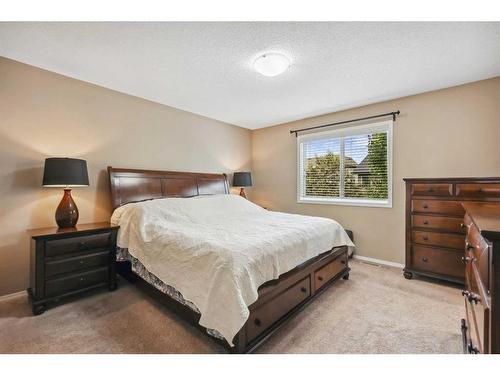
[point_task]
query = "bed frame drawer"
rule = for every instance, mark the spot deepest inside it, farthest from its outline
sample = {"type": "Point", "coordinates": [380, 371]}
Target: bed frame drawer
{"type": "Point", "coordinates": [329, 271]}
{"type": "Point", "coordinates": [266, 315]}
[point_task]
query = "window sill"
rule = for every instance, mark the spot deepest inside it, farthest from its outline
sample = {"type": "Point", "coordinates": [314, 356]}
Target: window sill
{"type": "Point", "coordinates": [347, 202]}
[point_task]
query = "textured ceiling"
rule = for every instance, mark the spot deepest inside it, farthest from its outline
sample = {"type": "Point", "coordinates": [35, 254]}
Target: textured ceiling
{"type": "Point", "coordinates": [206, 68]}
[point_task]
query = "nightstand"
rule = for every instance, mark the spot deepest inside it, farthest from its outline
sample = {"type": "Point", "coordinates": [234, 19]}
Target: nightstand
{"type": "Point", "coordinates": [68, 262]}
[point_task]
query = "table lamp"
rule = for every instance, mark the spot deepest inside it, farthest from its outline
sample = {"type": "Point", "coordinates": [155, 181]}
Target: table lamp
{"type": "Point", "coordinates": [242, 180]}
{"type": "Point", "coordinates": [65, 173]}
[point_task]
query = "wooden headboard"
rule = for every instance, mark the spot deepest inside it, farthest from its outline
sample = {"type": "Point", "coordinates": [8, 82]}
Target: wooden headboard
{"type": "Point", "coordinates": [135, 185]}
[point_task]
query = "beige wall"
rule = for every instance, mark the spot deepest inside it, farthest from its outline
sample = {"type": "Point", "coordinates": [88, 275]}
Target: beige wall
{"type": "Point", "coordinates": [44, 114]}
{"type": "Point", "coordinates": [447, 133]}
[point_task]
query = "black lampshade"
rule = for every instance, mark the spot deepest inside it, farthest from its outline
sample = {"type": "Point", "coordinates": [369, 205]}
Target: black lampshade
{"type": "Point", "coordinates": [242, 179]}
{"type": "Point", "coordinates": [61, 172]}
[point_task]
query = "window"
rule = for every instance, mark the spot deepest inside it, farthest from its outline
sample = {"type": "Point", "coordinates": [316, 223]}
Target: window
{"type": "Point", "coordinates": [350, 165]}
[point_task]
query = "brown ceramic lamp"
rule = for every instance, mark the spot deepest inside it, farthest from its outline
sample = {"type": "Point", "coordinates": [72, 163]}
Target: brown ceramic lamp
{"type": "Point", "coordinates": [242, 180]}
{"type": "Point", "coordinates": [66, 173]}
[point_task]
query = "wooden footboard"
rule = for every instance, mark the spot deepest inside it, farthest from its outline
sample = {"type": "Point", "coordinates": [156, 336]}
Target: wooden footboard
{"type": "Point", "coordinates": [280, 300]}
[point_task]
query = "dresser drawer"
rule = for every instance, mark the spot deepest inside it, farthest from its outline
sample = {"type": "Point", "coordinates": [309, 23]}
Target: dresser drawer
{"type": "Point", "coordinates": [478, 253]}
{"type": "Point", "coordinates": [473, 346]}
{"type": "Point", "coordinates": [454, 241]}
{"type": "Point", "coordinates": [438, 261]}
{"type": "Point", "coordinates": [329, 271]}
{"type": "Point", "coordinates": [475, 284]}
{"type": "Point", "coordinates": [448, 224]}
{"type": "Point", "coordinates": [76, 281]}
{"type": "Point", "coordinates": [74, 264]}
{"type": "Point", "coordinates": [436, 190]}
{"type": "Point", "coordinates": [266, 315]}
{"type": "Point", "coordinates": [453, 208]}
{"type": "Point", "coordinates": [477, 314]}
{"type": "Point", "coordinates": [474, 239]}
{"type": "Point", "coordinates": [478, 190]}
{"type": "Point", "coordinates": [75, 244]}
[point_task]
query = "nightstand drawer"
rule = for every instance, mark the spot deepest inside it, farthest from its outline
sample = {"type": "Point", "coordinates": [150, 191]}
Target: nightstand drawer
{"type": "Point", "coordinates": [75, 244]}
{"type": "Point", "coordinates": [76, 281]}
{"type": "Point", "coordinates": [58, 267]}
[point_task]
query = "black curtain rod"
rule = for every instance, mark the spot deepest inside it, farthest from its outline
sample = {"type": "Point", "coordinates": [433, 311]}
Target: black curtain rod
{"type": "Point", "coordinates": [393, 114]}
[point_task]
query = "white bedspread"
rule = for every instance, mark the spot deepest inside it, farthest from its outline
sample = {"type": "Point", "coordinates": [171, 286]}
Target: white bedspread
{"type": "Point", "coordinates": [217, 250]}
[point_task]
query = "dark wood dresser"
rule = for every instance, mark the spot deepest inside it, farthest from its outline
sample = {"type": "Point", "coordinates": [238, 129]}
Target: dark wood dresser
{"type": "Point", "coordinates": [481, 326]}
{"type": "Point", "coordinates": [68, 262]}
{"type": "Point", "coordinates": [435, 235]}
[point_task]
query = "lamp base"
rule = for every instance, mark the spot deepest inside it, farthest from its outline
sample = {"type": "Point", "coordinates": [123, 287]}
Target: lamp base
{"type": "Point", "coordinates": [242, 193]}
{"type": "Point", "coordinates": [67, 212]}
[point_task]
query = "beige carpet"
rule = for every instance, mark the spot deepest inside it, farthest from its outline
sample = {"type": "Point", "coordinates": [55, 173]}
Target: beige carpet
{"type": "Point", "coordinates": [375, 311]}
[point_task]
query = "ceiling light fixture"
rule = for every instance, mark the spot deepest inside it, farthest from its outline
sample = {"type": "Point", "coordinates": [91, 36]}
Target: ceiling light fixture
{"type": "Point", "coordinates": [271, 64]}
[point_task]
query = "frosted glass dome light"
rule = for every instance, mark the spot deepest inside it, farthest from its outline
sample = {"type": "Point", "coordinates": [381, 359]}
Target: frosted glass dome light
{"type": "Point", "coordinates": [271, 64]}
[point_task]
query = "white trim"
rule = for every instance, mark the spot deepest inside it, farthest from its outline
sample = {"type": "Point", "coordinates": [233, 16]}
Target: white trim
{"type": "Point", "coordinates": [343, 131]}
{"type": "Point", "coordinates": [12, 295]}
{"type": "Point", "coordinates": [347, 201]}
{"type": "Point", "coordinates": [379, 261]}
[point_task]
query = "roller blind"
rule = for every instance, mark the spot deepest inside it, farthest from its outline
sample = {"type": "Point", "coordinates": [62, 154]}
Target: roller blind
{"type": "Point", "coordinates": [350, 165]}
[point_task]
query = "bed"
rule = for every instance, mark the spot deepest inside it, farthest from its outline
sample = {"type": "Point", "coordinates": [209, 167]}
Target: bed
{"type": "Point", "coordinates": [233, 269]}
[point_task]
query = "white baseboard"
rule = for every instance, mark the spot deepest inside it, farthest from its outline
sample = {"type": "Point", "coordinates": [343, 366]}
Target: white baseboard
{"type": "Point", "coordinates": [379, 261]}
{"type": "Point", "coordinates": [17, 294]}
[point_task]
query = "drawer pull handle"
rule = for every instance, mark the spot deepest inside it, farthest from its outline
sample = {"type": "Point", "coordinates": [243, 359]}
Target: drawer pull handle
{"type": "Point", "coordinates": [81, 279]}
{"type": "Point", "coordinates": [470, 295]}
{"type": "Point", "coordinates": [466, 259]}
{"type": "Point", "coordinates": [81, 262]}
{"type": "Point", "coordinates": [425, 259]}
{"type": "Point", "coordinates": [342, 261]}
{"type": "Point", "coordinates": [431, 190]}
{"type": "Point", "coordinates": [425, 205]}
{"type": "Point", "coordinates": [257, 322]}
{"type": "Point", "coordinates": [320, 278]}
{"type": "Point", "coordinates": [426, 222]}
{"type": "Point", "coordinates": [480, 190]}
{"type": "Point", "coordinates": [462, 225]}
{"type": "Point", "coordinates": [473, 297]}
{"type": "Point", "coordinates": [303, 289]}
{"type": "Point", "coordinates": [425, 238]}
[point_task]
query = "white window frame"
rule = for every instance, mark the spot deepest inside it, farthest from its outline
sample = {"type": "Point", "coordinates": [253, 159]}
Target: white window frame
{"type": "Point", "coordinates": [344, 131]}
